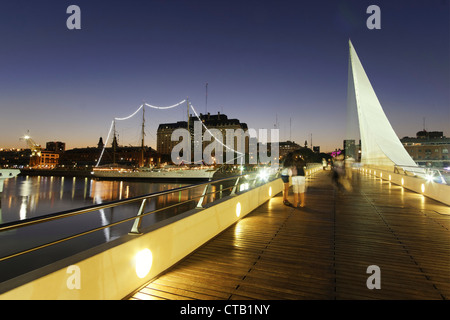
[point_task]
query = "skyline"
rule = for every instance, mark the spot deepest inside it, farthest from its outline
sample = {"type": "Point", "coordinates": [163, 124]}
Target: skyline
{"type": "Point", "coordinates": [264, 62]}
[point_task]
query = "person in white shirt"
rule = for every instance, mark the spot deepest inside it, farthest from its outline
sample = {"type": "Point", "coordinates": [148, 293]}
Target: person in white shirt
{"type": "Point", "coordinates": [299, 181]}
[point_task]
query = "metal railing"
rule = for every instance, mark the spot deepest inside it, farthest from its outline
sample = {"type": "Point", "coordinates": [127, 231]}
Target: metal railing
{"type": "Point", "coordinates": [250, 180]}
{"type": "Point", "coordinates": [435, 174]}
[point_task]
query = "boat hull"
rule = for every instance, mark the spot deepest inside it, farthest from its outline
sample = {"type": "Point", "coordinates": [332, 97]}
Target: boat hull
{"type": "Point", "coordinates": [155, 175]}
{"type": "Point", "coordinates": [6, 174]}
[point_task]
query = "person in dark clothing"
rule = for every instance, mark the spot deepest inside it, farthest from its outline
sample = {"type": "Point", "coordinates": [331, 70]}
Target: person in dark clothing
{"type": "Point", "coordinates": [299, 181]}
{"type": "Point", "coordinates": [286, 172]}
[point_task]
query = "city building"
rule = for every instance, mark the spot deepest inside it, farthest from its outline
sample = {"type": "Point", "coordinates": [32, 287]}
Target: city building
{"type": "Point", "coordinates": [115, 154]}
{"type": "Point", "coordinates": [47, 159]}
{"type": "Point", "coordinates": [164, 144]}
{"type": "Point", "coordinates": [287, 147]}
{"type": "Point", "coordinates": [429, 148]}
{"type": "Point", "coordinates": [55, 146]}
{"type": "Point", "coordinates": [15, 158]}
{"type": "Point", "coordinates": [33, 157]}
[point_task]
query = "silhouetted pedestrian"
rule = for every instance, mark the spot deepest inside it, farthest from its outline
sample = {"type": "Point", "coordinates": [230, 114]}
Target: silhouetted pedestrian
{"type": "Point", "coordinates": [299, 181]}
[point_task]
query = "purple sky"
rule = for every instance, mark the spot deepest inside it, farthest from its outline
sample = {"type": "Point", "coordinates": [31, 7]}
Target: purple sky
{"type": "Point", "coordinates": [264, 61]}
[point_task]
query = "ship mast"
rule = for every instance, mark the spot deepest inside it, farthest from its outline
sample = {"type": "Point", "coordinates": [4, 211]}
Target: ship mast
{"type": "Point", "coordinates": [188, 126]}
{"type": "Point", "coordinates": [187, 110]}
{"type": "Point", "coordinates": [114, 143]}
{"type": "Point", "coordinates": [141, 162]}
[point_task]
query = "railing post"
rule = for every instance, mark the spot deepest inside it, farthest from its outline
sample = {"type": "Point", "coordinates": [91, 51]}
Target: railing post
{"type": "Point", "coordinates": [442, 177]}
{"type": "Point", "coordinates": [254, 181]}
{"type": "Point", "coordinates": [137, 222]}
{"type": "Point", "coordinates": [199, 204]}
{"type": "Point", "coordinates": [233, 192]}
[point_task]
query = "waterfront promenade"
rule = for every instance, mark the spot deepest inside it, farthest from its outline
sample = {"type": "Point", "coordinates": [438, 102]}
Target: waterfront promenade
{"type": "Point", "coordinates": [322, 251]}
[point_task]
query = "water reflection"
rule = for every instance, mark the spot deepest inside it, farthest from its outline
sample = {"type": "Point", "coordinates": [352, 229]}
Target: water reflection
{"type": "Point", "coordinates": [27, 197]}
{"type": "Point", "coordinates": [103, 219]}
{"type": "Point", "coordinates": [25, 193]}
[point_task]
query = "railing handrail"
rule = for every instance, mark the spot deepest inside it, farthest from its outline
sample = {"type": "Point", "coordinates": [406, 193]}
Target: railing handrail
{"type": "Point", "coordinates": [418, 167]}
{"type": "Point", "coordinates": [114, 203]}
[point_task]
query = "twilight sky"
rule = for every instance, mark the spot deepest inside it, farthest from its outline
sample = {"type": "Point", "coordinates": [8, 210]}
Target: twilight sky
{"type": "Point", "coordinates": [265, 62]}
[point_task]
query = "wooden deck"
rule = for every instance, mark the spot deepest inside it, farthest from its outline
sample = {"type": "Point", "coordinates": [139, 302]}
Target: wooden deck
{"type": "Point", "coordinates": [322, 251]}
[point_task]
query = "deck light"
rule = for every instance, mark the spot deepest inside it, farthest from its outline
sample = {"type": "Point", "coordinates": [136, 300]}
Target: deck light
{"type": "Point", "coordinates": [144, 260]}
{"type": "Point", "coordinates": [238, 209]}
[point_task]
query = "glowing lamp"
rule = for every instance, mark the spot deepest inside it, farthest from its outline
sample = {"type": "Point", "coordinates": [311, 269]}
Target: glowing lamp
{"type": "Point", "coordinates": [144, 260]}
{"type": "Point", "coordinates": [238, 209]}
{"type": "Point", "coordinates": [263, 175]}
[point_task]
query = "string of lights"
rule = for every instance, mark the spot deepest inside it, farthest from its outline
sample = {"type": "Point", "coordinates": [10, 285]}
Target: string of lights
{"type": "Point", "coordinates": [218, 140]}
{"type": "Point", "coordinates": [163, 108]}
{"type": "Point", "coordinates": [104, 146]}
{"type": "Point", "coordinates": [131, 115]}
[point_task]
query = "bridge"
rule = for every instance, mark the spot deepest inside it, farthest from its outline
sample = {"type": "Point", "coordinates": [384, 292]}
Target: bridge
{"type": "Point", "coordinates": [271, 251]}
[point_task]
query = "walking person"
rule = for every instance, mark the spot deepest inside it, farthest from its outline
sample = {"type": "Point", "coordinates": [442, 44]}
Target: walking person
{"type": "Point", "coordinates": [299, 181]}
{"type": "Point", "coordinates": [286, 173]}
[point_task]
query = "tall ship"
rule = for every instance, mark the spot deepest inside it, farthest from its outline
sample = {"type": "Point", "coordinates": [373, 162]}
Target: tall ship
{"type": "Point", "coordinates": [182, 172]}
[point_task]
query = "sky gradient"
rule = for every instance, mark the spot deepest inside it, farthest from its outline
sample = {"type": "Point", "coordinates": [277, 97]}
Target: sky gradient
{"type": "Point", "coordinates": [265, 62]}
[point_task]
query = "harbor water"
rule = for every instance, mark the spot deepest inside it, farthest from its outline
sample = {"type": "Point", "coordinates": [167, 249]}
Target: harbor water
{"type": "Point", "coordinates": [27, 197]}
